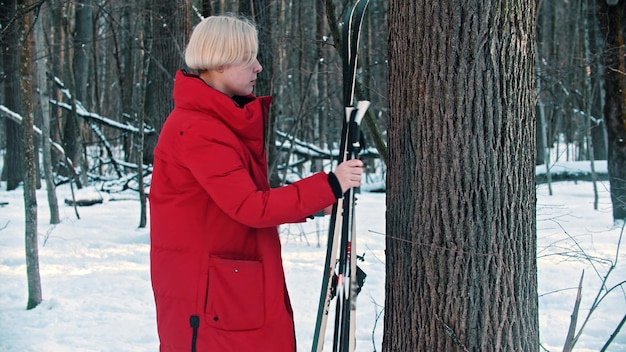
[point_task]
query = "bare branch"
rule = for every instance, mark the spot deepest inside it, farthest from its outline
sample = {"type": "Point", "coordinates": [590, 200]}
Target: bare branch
{"type": "Point", "coordinates": [33, 7]}
{"type": "Point", "coordinates": [569, 340]}
{"type": "Point", "coordinates": [614, 334]}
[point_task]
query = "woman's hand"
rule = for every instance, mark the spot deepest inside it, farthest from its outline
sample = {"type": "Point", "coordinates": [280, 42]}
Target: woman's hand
{"type": "Point", "coordinates": [349, 174]}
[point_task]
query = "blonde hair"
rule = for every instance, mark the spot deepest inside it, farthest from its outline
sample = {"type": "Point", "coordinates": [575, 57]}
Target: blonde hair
{"type": "Point", "coordinates": [219, 41]}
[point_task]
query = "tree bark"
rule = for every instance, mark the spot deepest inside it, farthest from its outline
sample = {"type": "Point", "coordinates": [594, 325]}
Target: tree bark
{"type": "Point", "coordinates": [73, 126]}
{"type": "Point", "coordinates": [27, 53]}
{"type": "Point", "coordinates": [613, 25]}
{"type": "Point", "coordinates": [129, 72]}
{"type": "Point", "coordinates": [461, 232]}
{"type": "Point", "coordinates": [83, 37]}
{"type": "Point", "coordinates": [261, 12]}
{"type": "Point", "coordinates": [12, 170]}
{"type": "Point", "coordinates": [57, 53]}
{"type": "Point", "coordinates": [84, 76]}
{"type": "Point", "coordinates": [320, 90]}
{"type": "Point", "coordinates": [44, 106]}
{"type": "Point", "coordinates": [169, 32]}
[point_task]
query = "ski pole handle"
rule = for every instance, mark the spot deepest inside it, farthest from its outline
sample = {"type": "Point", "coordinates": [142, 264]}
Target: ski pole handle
{"type": "Point", "coordinates": [354, 126]}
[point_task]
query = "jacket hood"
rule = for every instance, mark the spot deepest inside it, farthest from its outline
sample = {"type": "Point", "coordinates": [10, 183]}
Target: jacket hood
{"type": "Point", "coordinates": [246, 116]}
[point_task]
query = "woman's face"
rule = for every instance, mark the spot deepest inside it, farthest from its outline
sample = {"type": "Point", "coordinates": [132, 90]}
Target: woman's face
{"type": "Point", "coordinates": [238, 79]}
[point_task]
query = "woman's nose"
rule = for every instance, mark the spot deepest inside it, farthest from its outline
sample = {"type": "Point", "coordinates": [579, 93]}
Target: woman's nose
{"type": "Point", "coordinates": [257, 66]}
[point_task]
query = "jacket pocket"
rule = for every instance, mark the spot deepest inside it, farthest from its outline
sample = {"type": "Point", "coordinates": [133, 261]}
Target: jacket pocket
{"type": "Point", "coordinates": [235, 294]}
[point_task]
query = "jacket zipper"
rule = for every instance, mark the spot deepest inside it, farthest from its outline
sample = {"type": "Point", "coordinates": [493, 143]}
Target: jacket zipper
{"type": "Point", "coordinates": [194, 321]}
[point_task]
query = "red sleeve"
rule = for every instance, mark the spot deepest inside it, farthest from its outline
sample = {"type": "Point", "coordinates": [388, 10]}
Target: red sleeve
{"type": "Point", "coordinates": [218, 167]}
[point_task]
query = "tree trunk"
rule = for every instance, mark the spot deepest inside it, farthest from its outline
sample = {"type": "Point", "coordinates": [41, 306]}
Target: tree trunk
{"type": "Point", "coordinates": [588, 99]}
{"type": "Point", "coordinates": [44, 106]}
{"type": "Point", "coordinates": [84, 77]}
{"type": "Point", "coordinates": [12, 170]}
{"type": "Point", "coordinates": [461, 245]}
{"type": "Point", "coordinates": [139, 97]}
{"type": "Point", "coordinates": [83, 38]}
{"type": "Point", "coordinates": [143, 197]}
{"type": "Point", "coordinates": [613, 25]}
{"type": "Point", "coordinates": [54, 17]}
{"type": "Point", "coordinates": [126, 61]}
{"type": "Point", "coordinates": [321, 83]}
{"type": "Point", "coordinates": [206, 8]}
{"type": "Point", "coordinates": [598, 126]}
{"type": "Point", "coordinates": [261, 12]}
{"type": "Point", "coordinates": [169, 32]}
{"type": "Point", "coordinates": [73, 125]}
{"type": "Point", "coordinates": [27, 53]}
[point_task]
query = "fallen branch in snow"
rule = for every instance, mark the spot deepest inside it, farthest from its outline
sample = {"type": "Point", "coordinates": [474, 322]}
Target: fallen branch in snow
{"type": "Point", "coordinates": [93, 117]}
{"type": "Point", "coordinates": [86, 197]}
{"type": "Point", "coordinates": [311, 151]}
{"type": "Point", "coordinates": [571, 171]}
{"type": "Point", "coordinates": [13, 116]}
{"type": "Point", "coordinates": [83, 202]}
{"type": "Point", "coordinates": [17, 118]}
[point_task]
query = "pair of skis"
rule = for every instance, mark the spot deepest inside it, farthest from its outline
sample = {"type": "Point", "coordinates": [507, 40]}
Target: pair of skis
{"type": "Point", "coordinates": [341, 277]}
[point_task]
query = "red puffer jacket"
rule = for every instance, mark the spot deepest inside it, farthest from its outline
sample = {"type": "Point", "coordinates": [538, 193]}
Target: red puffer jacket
{"type": "Point", "coordinates": [215, 256]}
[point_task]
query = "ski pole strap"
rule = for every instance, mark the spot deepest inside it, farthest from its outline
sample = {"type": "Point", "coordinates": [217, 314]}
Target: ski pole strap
{"type": "Point", "coordinates": [335, 185]}
{"type": "Point", "coordinates": [354, 136]}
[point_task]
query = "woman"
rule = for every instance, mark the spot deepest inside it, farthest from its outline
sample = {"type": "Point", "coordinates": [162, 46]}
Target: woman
{"type": "Point", "coordinates": [215, 256]}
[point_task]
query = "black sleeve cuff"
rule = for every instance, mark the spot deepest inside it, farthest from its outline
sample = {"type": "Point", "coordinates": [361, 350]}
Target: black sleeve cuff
{"type": "Point", "coordinates": [334, 184]}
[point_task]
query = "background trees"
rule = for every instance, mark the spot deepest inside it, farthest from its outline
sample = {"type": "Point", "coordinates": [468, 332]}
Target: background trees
{"type": "Point", "coordinates": [104, 71]}
{"type": "Point", "coordinates": [117, 58]}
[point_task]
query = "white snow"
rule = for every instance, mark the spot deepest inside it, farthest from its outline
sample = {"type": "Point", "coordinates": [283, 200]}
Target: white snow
{"type": "Point", "coordinates": [97, 293]}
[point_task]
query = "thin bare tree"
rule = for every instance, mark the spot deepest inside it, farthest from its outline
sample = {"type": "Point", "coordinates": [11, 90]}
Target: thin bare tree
{"type": "Point", "coordinates": [44, 110]}
{"type": "Point", "coordinates": [27, 73]}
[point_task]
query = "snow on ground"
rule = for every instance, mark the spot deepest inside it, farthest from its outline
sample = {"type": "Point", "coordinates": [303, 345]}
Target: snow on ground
{"type": "Point", "coordinates": [97, 294]}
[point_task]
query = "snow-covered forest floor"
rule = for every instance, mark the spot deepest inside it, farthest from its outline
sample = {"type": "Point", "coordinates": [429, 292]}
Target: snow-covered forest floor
{"type": "Point", "coordinates": [97, 294]}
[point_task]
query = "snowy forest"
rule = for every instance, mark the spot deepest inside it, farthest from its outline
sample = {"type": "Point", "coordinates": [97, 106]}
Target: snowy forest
{"type": "Point", "coordinates": [85, 87]}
